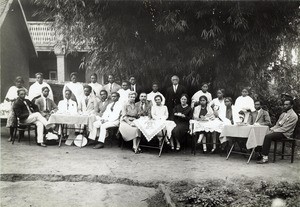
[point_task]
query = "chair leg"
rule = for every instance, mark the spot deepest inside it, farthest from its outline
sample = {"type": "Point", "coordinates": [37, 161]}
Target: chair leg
{"type": "Point", "coordinates": [230, 151]}
{"type": "Point", "coordinates": [275, 151]}
{"type": "Point", "coordinates": [282, 150]}
{"type": "Point", "coordinates": [29, 133]}
{"type": "Point", "coordinates": [14, 136]}
{"type": "Point", "coordinates": [293, 151]}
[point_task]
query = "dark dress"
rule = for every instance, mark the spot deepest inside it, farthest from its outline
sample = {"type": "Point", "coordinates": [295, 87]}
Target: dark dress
{"type": "Point", "coordinates": [182, 124]}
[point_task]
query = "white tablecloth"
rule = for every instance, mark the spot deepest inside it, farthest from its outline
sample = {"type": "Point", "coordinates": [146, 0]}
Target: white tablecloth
{"type": "Point", "coordinates": [255, 134]}
{"type": "Point", "coordinates": [208, 126]}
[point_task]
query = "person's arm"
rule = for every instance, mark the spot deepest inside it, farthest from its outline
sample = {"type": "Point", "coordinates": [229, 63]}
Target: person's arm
{"type": "Point", "coordinates": [210, 113]}
{"type": "Point", "coordinates": [250, 119]}
{"type": "Point", "coordinates": [50, 92]}
{"type": "Point", "coordinates": [19, 110]}
{"type": "Point", "coordinates": [267, 119]}
{"type": "Point", "coordinates": [153, 113]}
{"type": "Point", "coordinates": [196, 113]}
{"type": "Point", "coordinates": [289, 125]}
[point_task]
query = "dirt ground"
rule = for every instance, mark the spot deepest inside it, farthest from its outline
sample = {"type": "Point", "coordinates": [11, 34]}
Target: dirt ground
{"type": "Point", "coordinates": [114, 170]}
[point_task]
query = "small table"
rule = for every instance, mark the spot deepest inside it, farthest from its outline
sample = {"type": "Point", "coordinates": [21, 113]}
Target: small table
{"type": "Point", "coordinates": [150, 128]}
{"type": "Point", "coordinates": [65, 119]}
{"type": "Point", "coordinates": [255, 135]}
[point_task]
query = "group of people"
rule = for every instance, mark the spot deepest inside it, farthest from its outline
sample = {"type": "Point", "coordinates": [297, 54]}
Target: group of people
{"type": "Point", "coordinates": [119, 106]}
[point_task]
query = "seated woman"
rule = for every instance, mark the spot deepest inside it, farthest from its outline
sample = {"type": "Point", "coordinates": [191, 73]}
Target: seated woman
{"type": "Point", "coordinates": [9, 100]}
{"type": "Point", "coordinates": [75, 87]}
{"type": "Point", "coordinates": [229, 115]}
{"type": "Point", "coordinates": [204, 112]}
{"type": "Point", "coordinates": [245, 104]}
{"type": "Point", "coordinates": [127, 128]}
{"type": "Point", "coordinates": [182, 115]}
{"type": "Point", "coordinates": [159, 112]}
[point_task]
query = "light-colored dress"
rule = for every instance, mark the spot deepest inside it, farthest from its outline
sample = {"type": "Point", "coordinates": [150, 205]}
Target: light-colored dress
{"type": "Point", "coordinates": [218, 106]}
{"type": "Point", "coordinates": [159, 112]}
{"type": "Point", "coordinates": [36, 90]}
{"type": "Point", "coordinates": [77, 90]}
{"type": "Point", "coordinates": [123, 95]}
{"type": "Point", "coordinates": [129, 114]}
{"type": "Point", "coordinates": [243, 104]}
{"type": "Point", "coordinates": [12, 94]}
{"type": "Point", "coordinates": [97, 87]}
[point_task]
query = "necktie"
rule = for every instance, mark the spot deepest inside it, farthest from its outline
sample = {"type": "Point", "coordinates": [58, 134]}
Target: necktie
{"type": "Point", "coordinates": [142, 106]}
{"type": "Point", "coordinates": [86, 101]}
{"type": "Point", "coordinates": [112, 106]}
{"type": "Point", "coordinates": [132, 87]}
{"type": "Point", "coordinates": [175, 88]}
{"type": "Point", "coordinates": [46, 99]}
{"type": "Point", "coordinates": [68, 105]}
{"type": "Point", "coordinates": [110, 89]}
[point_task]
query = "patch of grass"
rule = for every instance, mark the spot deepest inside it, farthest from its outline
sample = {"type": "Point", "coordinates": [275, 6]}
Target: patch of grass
{"type": "Point", "coordinates": [236, 193]}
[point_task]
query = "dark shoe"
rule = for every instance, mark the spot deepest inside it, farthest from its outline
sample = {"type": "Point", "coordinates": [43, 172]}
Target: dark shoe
{"type": "Point", "coordinates": [262, 161]}
{"type": "Point", "coordinates": [140, 150]}
{"type": "Point", "coordinates": [136, 151]}
{"type": "Point", "coordinates": [177, 149]}
{"type": "Point", "coordinates": [98, 146]}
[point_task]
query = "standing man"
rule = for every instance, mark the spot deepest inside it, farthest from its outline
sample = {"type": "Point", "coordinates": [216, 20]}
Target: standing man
{"type": "Point", "coordinates": [144, 107]}
{"type": "Point", "coordinates": [155, 92]}
{"type": "Point", "coordinates": [110, 118]}
{"type": "Point", "coordinates": [45, 105]}
{"type": "Point", "coordinates": [173, 94]}
{"type": "Point", "coordinates": [111, 86]}
{"type": "Point", "coordinates": [27, 112]}
{"type": "Point", "coordinates": [97, 87]}
{"type": "Point", "coordinates": [36, 88]}
{"type": "Point", "coordinates": [259, 116]}
{"type": "Point", "coordinates": [283, 129]}
{"type": "Point", "coordinates": [134, 87]}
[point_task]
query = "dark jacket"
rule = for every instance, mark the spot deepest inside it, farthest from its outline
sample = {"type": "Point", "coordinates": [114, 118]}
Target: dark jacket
{"type": "Point", "coordinates": [172, 98]}
{"type": "Point", "coordinates": [21, 110]}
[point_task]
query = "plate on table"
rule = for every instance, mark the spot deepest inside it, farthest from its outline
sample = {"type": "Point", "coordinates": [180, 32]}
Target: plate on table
{"type": "Point", "coordinates": [241, 123]}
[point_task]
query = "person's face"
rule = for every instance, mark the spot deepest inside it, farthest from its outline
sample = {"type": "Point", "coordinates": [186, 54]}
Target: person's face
{"type": "Point", "coordinates": [175, 80]}
{"type": "Point", "coordinates": [125, 86]}
{"type": "Point", "coordinates": [74, 78]}
{"type": "Point", "coordinates": [132, 98]}
{"type": "Point", "coordinates": [257, 105]}
{"type": "Point", "coordinates": [158, 101]}
{"type": "Point", "coordinates": [19, 83]}
{"type": "Point", "coordinates": [204, 88]}
{"type": "Point", "coordinates": [219, 94]}
{"type": "Point", "coordinates": [244, 92]}
{"type": "Point", "coordinates": [39, 79]}
{"type": "Point", "coordinates": [132, 80]}
{"type": "Point", "coordinates": [155, 87]}
{"type": "Point", "coordinates": [114, 97]}
{"type": "Point", "coordinates": [183, 100]}
{"type": "Point", "coordinates": [86, 91]}
{"type": "Point", "coordinates": [45, 93]}
{"type": "Point", "coordinates": [111, 79]}
{"type": "Point", "coordinates": [227, 102]}
{"type": "Point", "coordinates": [22, 94]}
{"type": "Point", "coordinates": [202, 102]}
{"type": "Point", "coordinates": [287, 105]}
{"type": "Point", "coordinates": [68, 95]}
{"type": "Point", "coordinates": [103, 96]}
{"type": "Point", "coordinates": [143, 97]}
{"type": "Point", "coordinates": [93, 79]}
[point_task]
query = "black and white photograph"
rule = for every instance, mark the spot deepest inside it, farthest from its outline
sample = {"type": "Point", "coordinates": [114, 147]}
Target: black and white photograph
{"type": "Point", "coordinates": [150, 103]}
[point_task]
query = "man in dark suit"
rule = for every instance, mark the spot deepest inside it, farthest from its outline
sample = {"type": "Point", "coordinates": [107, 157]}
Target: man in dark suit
{"type": "Point", "coordinates": [46, 106]}
{"type": "Point", "coordinates": [27, 112]}
{"type": "Point", "coordinates": [111, 86]}
{"type": "Point", "coordinates": [283, 129]}
{"type": "Point", "coordinates": [135, 87]}
{"type": "Point", "coordinates": [259, 116]}
{"type": "Point", "coordinates": [144, 106]}
{"type": "Point", "coordinates": [173, 94]}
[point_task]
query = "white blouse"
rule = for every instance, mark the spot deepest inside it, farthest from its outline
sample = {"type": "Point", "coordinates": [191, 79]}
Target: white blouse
{"type": "Point", "coordinates": [159, 112]}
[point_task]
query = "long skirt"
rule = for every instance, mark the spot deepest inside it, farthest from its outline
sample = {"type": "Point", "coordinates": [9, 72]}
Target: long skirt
{"type": "Point", "coordinates": [128, 132]}
{"type": "Point", "coordinates": [180, 131]}
{"type": "Point", "coordinates": [11, 118]}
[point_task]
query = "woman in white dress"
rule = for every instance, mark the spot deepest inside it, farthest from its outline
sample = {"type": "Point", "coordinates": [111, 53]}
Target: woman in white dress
{"type": "Point", "coordinates": [202, 92]}
{"type": "Point", "coordinates": [159, 112]}
{"type": "Point", "coordinates": [127, 128]}
{"type": "Point", "coordinates": [245, 104]}
{"type": "Point", "coordinates": [9, 100]}
{"type": "Point", "coordinates": [205, 114]}
{"type": "Point", "coordinates": [75, 87]}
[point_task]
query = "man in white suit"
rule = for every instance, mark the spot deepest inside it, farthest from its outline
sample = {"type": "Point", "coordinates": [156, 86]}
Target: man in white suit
{"type": "Point", "coordinates": [284, 128]}
{"type": "Point", "coordinates": [110, 118]}
{"type": "Point", "coordinates": [111, 86]}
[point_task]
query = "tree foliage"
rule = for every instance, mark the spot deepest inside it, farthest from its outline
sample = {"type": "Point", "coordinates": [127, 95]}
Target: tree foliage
{"type": "Point", "coordinates": [229, 44]}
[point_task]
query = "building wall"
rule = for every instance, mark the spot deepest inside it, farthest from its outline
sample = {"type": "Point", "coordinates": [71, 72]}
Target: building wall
{"type": "Point", "coordinates": [15, 50]}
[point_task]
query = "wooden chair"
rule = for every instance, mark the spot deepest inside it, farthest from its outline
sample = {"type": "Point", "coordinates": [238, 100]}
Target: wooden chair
{"type": "Point", "coordinates": [21, 128]}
